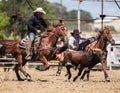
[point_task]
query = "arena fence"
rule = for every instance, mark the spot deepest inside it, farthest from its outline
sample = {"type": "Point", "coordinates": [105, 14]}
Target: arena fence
{"type": "Point", "coordinates": [10, 63]}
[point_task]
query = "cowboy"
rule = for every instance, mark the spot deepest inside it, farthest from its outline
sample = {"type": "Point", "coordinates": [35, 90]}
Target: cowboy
{"type": "Point", "coordinates": [75, 39]}
{"type": "Point", "coordinates": [34, 24]}
{"type": "Point", "coordinates": [76, 42]}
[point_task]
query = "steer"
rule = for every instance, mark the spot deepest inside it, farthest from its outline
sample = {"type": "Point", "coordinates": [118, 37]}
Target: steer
{"type": "Point", "coordinates": [81, 60]}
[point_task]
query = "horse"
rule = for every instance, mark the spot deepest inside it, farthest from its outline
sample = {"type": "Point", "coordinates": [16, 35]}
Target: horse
{"type": "Point", "coordinates": [101, 43]}
{"type": "Point", "coordinates": [7, 67]}
{"type": "Point", "coordinates": [103, 38]}
{"type": "Point", "coordinates": [46, 49]}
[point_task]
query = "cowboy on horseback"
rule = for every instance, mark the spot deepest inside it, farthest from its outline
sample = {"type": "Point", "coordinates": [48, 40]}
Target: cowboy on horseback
{"type": "Point", "coordinates": [76, 42]}
{"type": "Point", "coordinates": [34, 24]}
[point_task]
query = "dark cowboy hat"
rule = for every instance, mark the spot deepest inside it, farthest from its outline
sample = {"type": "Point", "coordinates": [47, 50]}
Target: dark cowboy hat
{"type": "Point", "coordinates": [75, 31]}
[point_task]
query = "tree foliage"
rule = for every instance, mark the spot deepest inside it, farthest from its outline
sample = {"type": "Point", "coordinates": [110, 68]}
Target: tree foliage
{"type": "Point", "coordinates": [23, 12]}
{"type": "Point", "coordinates": [18, 16]}
{"type": "Point", "coordinates": [4, 19]}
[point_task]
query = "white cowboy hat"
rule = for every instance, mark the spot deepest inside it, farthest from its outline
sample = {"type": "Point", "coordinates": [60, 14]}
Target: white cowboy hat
{"type": "Point", "coordinates": [39, 10]}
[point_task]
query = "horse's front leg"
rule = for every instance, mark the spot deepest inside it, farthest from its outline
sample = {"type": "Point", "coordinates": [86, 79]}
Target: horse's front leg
{"type": "Point", "coordinates": [17, 74]}
{"type": "Point", "coordinates": [45, 62]}
{"type": "Point", "coordinates": [104, 65]}
{"type": "Point", "coordinates": [20, 67]}
{"type": "Point", "coordinates": [59, 57]}
{"type": "Point", "coordinates": [59, 69]}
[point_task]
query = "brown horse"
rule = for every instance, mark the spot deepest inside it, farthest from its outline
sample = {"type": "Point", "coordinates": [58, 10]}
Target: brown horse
{"type": "Point", "coordinates": [101, 43]}
{"type": "Point", "coordinates": [45, 51]}
{"type": "Point", "coordinates": [102, 38]}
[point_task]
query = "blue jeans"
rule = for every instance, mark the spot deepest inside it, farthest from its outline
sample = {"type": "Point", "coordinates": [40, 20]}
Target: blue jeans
{"type": "Point", "coordinates": [31, 36]}
{"type": "Point", "coordinates": [83, 45]}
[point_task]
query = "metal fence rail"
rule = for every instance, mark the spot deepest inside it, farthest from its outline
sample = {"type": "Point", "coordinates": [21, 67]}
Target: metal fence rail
{"type": "Point", "coordinates": [10, 62]}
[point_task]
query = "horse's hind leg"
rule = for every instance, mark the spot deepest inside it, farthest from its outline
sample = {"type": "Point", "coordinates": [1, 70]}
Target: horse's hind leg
{"type": "Point", "coordinates": [45, 62]}
{"type": "Point", "coordinates": [24, 72]}
{"type": "Point", "coordinates": [17, 74]}
{"type": "Point", "coordinates": [20, 65]}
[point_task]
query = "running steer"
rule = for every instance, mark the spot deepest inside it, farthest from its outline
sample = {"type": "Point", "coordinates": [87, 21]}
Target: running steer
{"type": "Point", "coordinates": [81, 60]}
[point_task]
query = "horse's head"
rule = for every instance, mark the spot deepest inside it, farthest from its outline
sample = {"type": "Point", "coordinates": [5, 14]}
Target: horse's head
{"type": "Point", "coordinates": [107, 35]}
{"type": "Point", "coordinates": [61, 31]}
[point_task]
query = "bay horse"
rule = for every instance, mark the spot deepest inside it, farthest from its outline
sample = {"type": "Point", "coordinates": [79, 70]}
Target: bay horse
{"type": "Point", "coordinates": [103, 38]}
{"type": "Point", "coordinates": [101, 43]}
{"type": "Point", "coordinates": [45, 51]}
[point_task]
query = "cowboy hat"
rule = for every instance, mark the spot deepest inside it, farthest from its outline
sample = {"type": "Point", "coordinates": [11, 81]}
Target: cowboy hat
{"type": "Point", "coordinates": [75, 31]}
{"type": "Point", "coordinates": [39, 10]}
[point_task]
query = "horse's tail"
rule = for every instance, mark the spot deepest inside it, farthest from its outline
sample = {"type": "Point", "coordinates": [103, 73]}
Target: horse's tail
{"type": "Point", "coordinates": [2, 49]}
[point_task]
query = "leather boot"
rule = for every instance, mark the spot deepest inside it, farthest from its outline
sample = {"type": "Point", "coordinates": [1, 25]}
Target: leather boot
{"type": "Point", "coordinates": [29, 52]}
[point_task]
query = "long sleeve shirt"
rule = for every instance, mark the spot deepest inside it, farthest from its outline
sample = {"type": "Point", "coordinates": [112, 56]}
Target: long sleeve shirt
{"type": "Point", "coordinates": [74, 42]}
{"type": "Point", "coordinates": [35, 23]}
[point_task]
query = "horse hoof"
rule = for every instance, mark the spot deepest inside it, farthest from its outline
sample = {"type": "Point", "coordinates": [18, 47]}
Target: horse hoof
{"type": "Point", "coordinates": [29, 79]}
{"type": "Point", "coordinates": [47, 68]}
{"type": "Point", "coordinates": [74, 79]}
{"type": "Point", "coordinates": [81, 79]}
{"type": "Point", "coordinates": [66, 74]}
{"type": "Point", "coordinates": [20, 79]}
{"type": "Point", "coordinates": [107, 79]}
{"type": "Point", "coordinates": [57, 74]}
{"type": "Point", "coordinates": [42, 68]}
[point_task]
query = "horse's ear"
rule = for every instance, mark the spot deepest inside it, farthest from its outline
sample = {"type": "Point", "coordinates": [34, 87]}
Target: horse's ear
{"type": "Point", "coordinates": [60, 21]}
{"type": "Point", "coordinates": [100, 31]}
{"type": "Point", "coordinates": [54, 25]}
{"type": "Point", "coordinates": [106, 27]}
{"type": "Point", "coordinates": [49, 29]}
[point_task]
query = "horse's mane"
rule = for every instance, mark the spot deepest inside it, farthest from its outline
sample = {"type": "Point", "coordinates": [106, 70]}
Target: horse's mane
{"type": "Point", "coordinates": [100, 32]}
{"type": "Point", "coordinates": [51, 29]}
{"type": "Point", "coordinates": [57, 25]}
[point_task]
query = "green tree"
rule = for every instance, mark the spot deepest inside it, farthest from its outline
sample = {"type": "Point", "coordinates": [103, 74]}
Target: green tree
{"type": "Point", "coordinates": [23, 11]}
{"type": "Point", "coordinates": [4, 21]}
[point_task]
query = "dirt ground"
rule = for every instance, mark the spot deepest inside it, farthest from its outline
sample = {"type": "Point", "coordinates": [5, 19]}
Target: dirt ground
{"type": "Point", "coordinates": [48, 82]}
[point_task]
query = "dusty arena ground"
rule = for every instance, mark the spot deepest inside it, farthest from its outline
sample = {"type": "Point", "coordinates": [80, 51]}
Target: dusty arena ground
{"type": "Point", "coordinates": [48, 82]}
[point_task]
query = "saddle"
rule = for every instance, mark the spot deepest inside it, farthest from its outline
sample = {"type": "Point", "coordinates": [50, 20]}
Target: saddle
{"type": "Point", "coordinates": [25, 43]}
